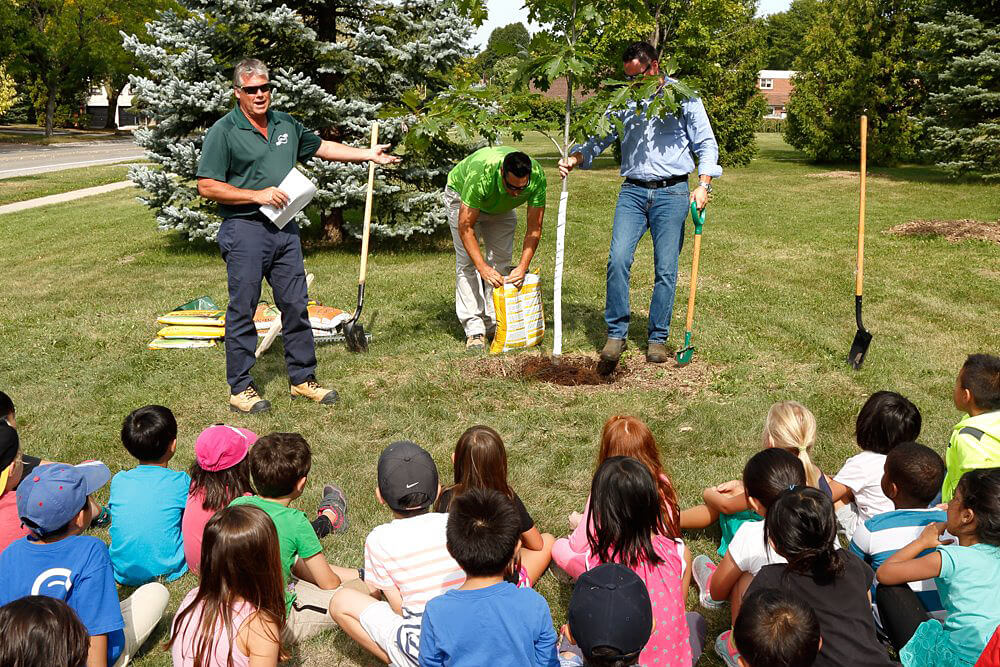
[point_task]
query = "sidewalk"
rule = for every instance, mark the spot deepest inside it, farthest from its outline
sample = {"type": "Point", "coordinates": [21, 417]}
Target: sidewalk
{"type": "Point", "coordinates": [64, 197]}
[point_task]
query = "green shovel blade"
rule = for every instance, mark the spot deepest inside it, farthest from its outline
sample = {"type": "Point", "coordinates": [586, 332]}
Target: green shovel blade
{"type": "Point", "coordinates": [685, 354]}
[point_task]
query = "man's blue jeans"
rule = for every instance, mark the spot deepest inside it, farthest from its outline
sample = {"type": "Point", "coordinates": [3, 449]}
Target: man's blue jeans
{"type": "Point", "coordinates": [662, 211]}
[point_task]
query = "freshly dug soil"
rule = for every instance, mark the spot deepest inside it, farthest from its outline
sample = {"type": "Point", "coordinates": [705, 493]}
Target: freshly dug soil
{"type": "Point", "coordinates": [568, 371]}
{"type": "Point", "coordinates": [952, 230]}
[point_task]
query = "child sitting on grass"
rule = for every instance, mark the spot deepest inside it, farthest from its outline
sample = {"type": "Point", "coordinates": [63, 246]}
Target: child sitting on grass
{"type": "Point", "coordinates": [621, 436]}
{"type": "Point", "coordinates": [406, 559]}
{"type": "Point", "coordinates": [609, 620]}
{"type": "Point", "coordinates": [57, 561]}
{"type": "Point", "coordinates": [775, 629]}
{"type": "Point", "coordinates": [975, 440]}
{"type": "Point", "coordinates": [279, 466]}
{"type": "Point", "coordinates": [220, 473]}
{"type": "Point", "coordinates": [39, 630]}
{"type": "Point", "coordinates": [766, 475]}
{"type": "Point", "coordinates": [912, 480]}
{"type": "Point", "coordinates": [147, 502]}
{"type": "Point", "coordinates": [801, 527]}
{"type": "Point", "coordinates": [235, 615]}
{"type": "Point", "coordinates": [789, 426]}
{"type": "Point", "coordinates": [885, 420]}
{"type": "Point", "coordinates": [480, 462]}
{"type": "Point", "coordinates": [486, 621]}
{"type": "Point", "coordinates": [967, 574]}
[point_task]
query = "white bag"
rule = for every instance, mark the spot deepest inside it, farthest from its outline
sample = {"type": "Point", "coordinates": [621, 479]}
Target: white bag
{"type": "Point", "coordinates": [520, 322]}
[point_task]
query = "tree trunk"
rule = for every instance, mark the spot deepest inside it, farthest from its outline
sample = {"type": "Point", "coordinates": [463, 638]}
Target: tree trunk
{"type": "Point", "coordinates": [333, 227]}
{"type": "Point", "coordinates": [50, 108]}
{"type": "Point", "coordinates": [113, 94]}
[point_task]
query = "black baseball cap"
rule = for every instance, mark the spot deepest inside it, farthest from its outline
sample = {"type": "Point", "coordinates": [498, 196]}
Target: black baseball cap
{"type": "Point", "coordinates": [8, 445]}
{"type": "Point", "coordinates": [405, 468]}
{"type": "Point", "coordinates": [610, 607]}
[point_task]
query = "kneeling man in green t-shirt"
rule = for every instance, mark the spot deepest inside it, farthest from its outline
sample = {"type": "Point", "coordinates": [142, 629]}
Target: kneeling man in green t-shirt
{"type": "Point", "coordinates": [483, 191]}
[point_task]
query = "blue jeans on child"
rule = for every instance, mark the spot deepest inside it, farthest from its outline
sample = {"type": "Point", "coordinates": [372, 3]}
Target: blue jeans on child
{"type": "Point", "coordinates": [662, 211]}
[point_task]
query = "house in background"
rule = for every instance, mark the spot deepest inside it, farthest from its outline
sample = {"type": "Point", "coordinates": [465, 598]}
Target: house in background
{"type": "Point", "coordinates": [97, 107]}
{"type": "Point", "coordinates": [776, 86]}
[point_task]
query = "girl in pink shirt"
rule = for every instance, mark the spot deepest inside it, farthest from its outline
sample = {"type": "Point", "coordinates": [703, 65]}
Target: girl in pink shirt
{"type": "Point", "coordinates": [219, 474]}
{"type": "Point", "coordinates": [234, 617]}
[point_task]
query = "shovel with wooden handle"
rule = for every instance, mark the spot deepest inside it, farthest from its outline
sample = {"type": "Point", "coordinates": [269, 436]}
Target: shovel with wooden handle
{"type": "Point", "coordinates": [354, 332]}
{"type": "Point", "coordinates": [686, 353]}
{"type": "Point", "coordinates": [863, 338]}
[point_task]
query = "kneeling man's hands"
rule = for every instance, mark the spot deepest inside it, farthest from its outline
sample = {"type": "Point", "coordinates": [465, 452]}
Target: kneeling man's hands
{"type": "Point", "coordinates": [515, 277]}
{"type": "Point", "coordinates": [271, 197]}
{"type": "Point", "coordinates": [491, 275]}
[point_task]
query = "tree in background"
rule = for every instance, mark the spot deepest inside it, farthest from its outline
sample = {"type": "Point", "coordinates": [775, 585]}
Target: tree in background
{"type": "Point", "coordinates": [8, 91]}
{"type": "Point", "coordinates": [506, 45]}
{"type": "Point", "coordinates": [960, 68]}
{"type": "Point", "coordinates": [335, 65]}
{"type": "Point", "coordinates": [785, 32]}
{"type": "Point", "coordinates": [857, 59]}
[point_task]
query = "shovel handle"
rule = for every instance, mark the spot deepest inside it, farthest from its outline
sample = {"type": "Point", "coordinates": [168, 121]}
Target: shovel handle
{"type": "Point", "coordinates": [859, 278]}
{"type": "Point", "coordinates": [368, 209]}
{"type": "Point", "coordinates": [699, 220]}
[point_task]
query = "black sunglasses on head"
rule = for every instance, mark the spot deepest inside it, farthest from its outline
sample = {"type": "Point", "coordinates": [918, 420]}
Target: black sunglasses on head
{"type": "Point", "coordinates": [252, 90]}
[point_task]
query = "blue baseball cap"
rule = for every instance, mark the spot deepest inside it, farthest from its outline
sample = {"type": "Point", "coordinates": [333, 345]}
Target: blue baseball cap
{"type": "Point", "coordinates": [53, 494]}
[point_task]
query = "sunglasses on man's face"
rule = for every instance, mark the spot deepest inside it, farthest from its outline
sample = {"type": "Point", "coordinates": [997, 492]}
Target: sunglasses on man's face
{"type": "Point", "coordinates": [253, 90]}
{"type": "Point", "coordinates": [632, 77]}
{"type": "Point", "coordinates": [513, 188]}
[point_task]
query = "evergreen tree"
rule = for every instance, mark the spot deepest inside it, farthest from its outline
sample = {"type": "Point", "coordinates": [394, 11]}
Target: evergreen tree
{"type": "Point", "coordinates": [857, 59]}
{"type": "Point", "coordinates": [961, 71]}
{"type": "Point", "coordinates": [334, 66]}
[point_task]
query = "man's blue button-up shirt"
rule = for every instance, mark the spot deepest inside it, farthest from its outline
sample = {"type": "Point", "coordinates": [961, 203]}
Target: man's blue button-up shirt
{"type": "Point", "coordinates": [657, 148]}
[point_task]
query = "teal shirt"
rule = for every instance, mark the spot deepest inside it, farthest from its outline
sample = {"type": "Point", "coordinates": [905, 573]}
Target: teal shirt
{"type": "Point", "coordinates": [236, 153]}
{"type": "Point", "coordinates": [969, 585]}
{"type": "Point", "coordinates": [479, 181]}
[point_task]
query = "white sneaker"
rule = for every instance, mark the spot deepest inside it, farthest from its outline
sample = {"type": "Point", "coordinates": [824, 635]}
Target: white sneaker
{"type": "Point", "coordinates": [702, 570]}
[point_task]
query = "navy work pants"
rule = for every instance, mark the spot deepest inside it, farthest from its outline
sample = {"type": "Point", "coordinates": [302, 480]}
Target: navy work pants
{"type": "Point", "coordinates": [254, 249]}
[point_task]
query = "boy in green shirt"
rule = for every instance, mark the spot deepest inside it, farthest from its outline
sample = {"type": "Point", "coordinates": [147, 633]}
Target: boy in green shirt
{"type": "Point", "coordinates": [483, 191]}
{"type": "Point", "coordinates": [975, 441]}
{"type": "Point", "coordinates": [279, 464]}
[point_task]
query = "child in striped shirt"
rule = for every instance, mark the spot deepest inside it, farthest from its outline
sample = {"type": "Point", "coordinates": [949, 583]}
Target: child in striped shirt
{"type": "Point", "coordinates": [912, 479]}
{"type": "Point", "coordinates": [406, 559]}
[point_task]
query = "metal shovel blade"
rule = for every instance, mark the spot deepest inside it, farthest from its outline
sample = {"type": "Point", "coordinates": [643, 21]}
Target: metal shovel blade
{"type": "Point", "coordinates": [354, 336]}
{"type": "Point", "coordinates": [859, 348]}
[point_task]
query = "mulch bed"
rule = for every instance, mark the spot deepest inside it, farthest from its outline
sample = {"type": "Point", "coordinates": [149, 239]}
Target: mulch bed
{"type": "Point", "coordinates": [952, 230]}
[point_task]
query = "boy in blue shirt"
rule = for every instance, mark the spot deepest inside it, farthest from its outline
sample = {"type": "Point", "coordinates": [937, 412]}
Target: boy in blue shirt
{"type": "Point", "coordinates": [486, 621]}
{"type": "Point", "coordinates": [147, 502]}
{"type": "Point", "coordinates": [55, 560]}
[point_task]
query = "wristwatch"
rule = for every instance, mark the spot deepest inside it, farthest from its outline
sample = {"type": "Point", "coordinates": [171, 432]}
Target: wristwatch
{"type": "Point", "coordinates": [707, 186]}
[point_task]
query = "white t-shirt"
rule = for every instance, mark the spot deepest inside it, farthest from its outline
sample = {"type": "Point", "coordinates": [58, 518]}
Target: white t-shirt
{"type": "Point", "coordinates": [412, 556]}
{"type": "Point", "coordinates": [749, 551]}
{"type": "Point", "coordinates": [862, 474]}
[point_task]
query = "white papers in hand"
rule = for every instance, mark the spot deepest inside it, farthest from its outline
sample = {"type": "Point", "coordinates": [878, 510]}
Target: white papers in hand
{"type": "Point", "coordinates": [300, 191]}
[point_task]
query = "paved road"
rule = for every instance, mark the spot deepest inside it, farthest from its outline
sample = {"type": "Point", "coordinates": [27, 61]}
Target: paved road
{"type": "Point", "coordinates": [24, 159]}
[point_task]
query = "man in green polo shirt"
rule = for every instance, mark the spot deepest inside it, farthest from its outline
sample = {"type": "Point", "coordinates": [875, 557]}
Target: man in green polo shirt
{"type": "Point", "coordinates": [245, 156]}
{"type": "Point", "coordinates": [483, 191]}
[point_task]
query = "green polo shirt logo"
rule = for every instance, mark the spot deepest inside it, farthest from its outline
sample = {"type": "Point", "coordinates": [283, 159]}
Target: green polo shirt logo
{"type": "Point", "coordinates": [235, 152]}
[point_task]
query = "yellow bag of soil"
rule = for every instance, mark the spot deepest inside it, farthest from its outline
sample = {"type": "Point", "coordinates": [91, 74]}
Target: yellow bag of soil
{"type": "Point", "coordinates": [207, 318]}
{"type": "Point", "coordinates": [195, 333]}
{"type": "Point", "coordinates": [520, 322]}
{"type": "Point", "coordinates": [178, 343]}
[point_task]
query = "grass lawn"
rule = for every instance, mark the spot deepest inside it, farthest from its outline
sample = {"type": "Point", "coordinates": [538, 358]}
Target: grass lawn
{"type": "Point", "coordinates": [85, 281]}
{"type": "Point", "coordinates": [22, 188]}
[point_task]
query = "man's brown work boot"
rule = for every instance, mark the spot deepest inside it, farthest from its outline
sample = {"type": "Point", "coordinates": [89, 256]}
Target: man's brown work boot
{"type": "Point", "coordinates": [656, 353]}
{"type": "Point", "coordinates": [248, 401]}
{"type": "Point", "coordinates": [314, 392]}
{"type": "Point", "coordinates": [610, 355]}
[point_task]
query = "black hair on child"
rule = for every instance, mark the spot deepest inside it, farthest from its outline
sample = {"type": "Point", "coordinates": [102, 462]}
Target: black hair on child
{"type": "Point", "coordinates": [148, 432]}
{"type": "Point", "coordinates": [916, 470]}
{"type": "Point", "coordinates": [277, 462]}
{"type": "Point", "coordinates": [885, 420]}
{"type": "Point", "coordinates": [517, 164]}
{"type": "Point", "coordinates": [776, 629]}
{"type": "Point", "coordinates": [771, 471]}
{"type": "Point", "coordinates": [605, 656]}
{"type": "Point", "coordinates": [981, 376]}
{"type": "Point", "coordinates": [802, 527]}
{"type": "Point", "coordinates": [41, 630]}
{"type": "Point", "coordinates": [6, 405]}
{"type": "Point", "coordinates": [641, 51]}
{"type": "Point", "coordinates": [980, 491]}
{"type": "Point", "coordinates": [625, 507]}
{"type": "Point", "coordinates": [220, 487]}
{"type": "Point", "coordinates": [483, 527]}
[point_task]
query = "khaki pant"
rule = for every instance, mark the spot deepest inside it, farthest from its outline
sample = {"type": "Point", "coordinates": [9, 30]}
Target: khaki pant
{"type": "Point", "coordinates": [142, 611]}
{"type": "Point", "coordinates": [310, 613]}
{"type": "Point", "coordinates": [473, 297]}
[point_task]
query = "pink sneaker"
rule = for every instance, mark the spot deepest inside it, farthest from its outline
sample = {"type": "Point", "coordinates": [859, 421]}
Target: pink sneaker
{"type": "Point", "coordinates": [702, 570]}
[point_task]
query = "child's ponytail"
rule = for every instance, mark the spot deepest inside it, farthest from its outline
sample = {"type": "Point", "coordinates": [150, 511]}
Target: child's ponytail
{"type": "Point", "coordinates": [792, 427]}
{"type": "Point", "coordinates": [802, 527]}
